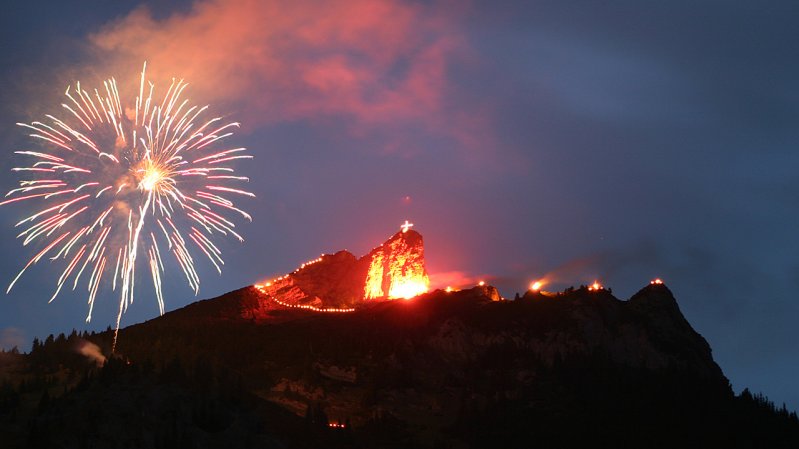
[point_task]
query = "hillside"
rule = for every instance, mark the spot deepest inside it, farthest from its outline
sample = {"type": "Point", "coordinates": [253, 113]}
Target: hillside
{"type": "Point", "coordinates": [257, 367]}
{"type": "Point", "coordinates": [459, 369]}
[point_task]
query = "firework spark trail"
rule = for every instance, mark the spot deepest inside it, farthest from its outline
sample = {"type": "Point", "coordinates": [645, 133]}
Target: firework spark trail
{"type": "Point", "coordinates": [108, 173]}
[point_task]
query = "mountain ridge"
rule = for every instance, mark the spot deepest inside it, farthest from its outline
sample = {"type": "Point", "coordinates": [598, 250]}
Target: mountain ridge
{"type": "Point", "coordinates": [326, 356]}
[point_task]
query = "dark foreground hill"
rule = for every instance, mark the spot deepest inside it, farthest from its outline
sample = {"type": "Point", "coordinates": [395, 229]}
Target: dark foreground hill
{"type": "Point", "coordinates": [576, 369]}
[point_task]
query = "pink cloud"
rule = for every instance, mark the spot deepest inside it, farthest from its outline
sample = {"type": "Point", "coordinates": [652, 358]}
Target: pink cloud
{"type": "Point", "coordinates": [381, 65]}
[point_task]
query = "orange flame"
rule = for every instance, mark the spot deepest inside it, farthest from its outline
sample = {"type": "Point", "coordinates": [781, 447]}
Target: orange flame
{"type": "Point", "coordinates": [374, 278]}
{"type": "Point", "coordinates": [657, 281]}
{"type": "Point", "coordinates": [396, 272]}
{"type": "Point", "coordinates": [536, 286]}
{"type": "Point", "coordinates": [596, 286]}
{"type": "Point", "coordinates": [408, 288]}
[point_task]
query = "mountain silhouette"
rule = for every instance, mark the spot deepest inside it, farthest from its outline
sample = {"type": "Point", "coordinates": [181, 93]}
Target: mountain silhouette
{"type": "Point", "coordinates": [263, 367]}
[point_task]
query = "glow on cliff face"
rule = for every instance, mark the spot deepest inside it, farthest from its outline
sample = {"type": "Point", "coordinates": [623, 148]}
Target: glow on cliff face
{"type": "Point", "coordinates": [373, 288]}
{"type": "Point", "coordinates": [405, 273]}
{"type": "Point", "coordinates": [397, 269]}
{"type": "Point", "coordinates": [407, 289]}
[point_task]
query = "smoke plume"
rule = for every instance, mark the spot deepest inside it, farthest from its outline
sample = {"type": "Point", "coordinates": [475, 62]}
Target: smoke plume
{"type": "Point", "coordinates": [91, 351]}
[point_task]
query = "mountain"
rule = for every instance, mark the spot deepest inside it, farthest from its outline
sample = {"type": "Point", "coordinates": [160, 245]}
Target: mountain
{"type": "Point", "coordinates": [265, 366]}
{"type": "Point", "coordinates": [395, 269]}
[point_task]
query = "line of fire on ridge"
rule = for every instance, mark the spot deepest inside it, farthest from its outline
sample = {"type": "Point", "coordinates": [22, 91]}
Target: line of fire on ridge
{"type": "Point", "coordinates": [262, 289]}
{"type": "Point", "coordinates": [535, 286]}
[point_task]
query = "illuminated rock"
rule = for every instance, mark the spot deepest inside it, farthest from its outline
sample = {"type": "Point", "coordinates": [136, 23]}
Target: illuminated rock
{"type": "Point", "coordinates": [396, 268]}
{"type": "Point", "coordinates": [393, 270]}
{"type": "Point", "coordinates": [333, 280]}
{"type": "Point", "coordinates": [489, 291]}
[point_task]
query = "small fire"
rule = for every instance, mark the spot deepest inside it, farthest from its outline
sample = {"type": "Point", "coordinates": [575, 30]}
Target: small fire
{"type": "Point", "coordinates": [481, 283]}
{"type": "Point", "coordinates": [536, 286]}
{"type": "Point", "coordinates": [407, 288]}
{"type": "Point", "coordinates": [262, 289]}
{"type": "Point", "coordinates": [657, 281]}
{"type": "Point", "coordinates": [334, 425]}
{"type": "Point", "coordinates": [596, 286]}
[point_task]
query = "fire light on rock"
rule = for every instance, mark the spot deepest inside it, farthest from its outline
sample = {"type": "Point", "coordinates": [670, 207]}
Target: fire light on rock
{"type": "Point", "coordinates": [407, 289]}
{"type": "Point", "coordinates": [481, 283]}
{"type": "Point", "coordinates": [596, 286]}
{"type": "Point", "coordinates": [339, 282]}
{"type": "Point", "coordinates": [536, 286]}
{"type": "Point", "coordinates": [262, 289]}
{"type": "Point", "coordinates": [396, 269]}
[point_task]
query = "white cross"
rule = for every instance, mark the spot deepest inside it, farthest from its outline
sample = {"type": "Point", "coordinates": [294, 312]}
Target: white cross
{"type": "Point", "coordinates": [405, 226]}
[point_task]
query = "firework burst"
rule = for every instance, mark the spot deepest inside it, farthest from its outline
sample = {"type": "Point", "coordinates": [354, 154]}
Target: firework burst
{"type": "Point", "coordinates": [113, 183]}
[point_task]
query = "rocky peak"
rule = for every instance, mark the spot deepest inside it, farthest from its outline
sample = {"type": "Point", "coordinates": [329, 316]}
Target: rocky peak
{"type": "Point", "coordinates": [395, 269]}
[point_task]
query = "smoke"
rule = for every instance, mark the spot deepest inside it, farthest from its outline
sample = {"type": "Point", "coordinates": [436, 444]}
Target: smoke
{"type": "Point", "coordinates": [606, 264]}
{"type": "Point", "coordinates": [573, 270]}
{"type": "Point", "coordinates": [644, 258]}
{"type": "Point", "coordinates": [92, 352]}
{"type": "Point", "coordinates": [374, 64]}
{"type": "Point", "coordinates": [456, 279]}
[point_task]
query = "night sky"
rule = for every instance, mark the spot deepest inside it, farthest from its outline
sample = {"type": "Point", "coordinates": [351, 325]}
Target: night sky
{"type": "Point", "coordinates": [616, 140]}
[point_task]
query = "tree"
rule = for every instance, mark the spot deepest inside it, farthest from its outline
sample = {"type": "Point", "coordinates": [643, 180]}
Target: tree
{"type": "Point", "coordinates": [44, 401]}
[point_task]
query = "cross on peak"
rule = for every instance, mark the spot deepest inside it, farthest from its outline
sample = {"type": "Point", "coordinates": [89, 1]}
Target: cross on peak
{"type": "Point", "coordinates": [405, 226]}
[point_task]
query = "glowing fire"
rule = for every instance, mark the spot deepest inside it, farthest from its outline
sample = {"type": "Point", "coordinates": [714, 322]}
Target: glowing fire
{"type": "Point", "coordinates": [374, 278]}
{"type": "Point", "coordinates": [657, 281]}
{"type": "Point", "coordinates": [397, 270]}
{"type": "Point", "coordinates": [536, 286]}
{"type": "Point", "coordinates": [596, 286]}
{"type": "Point", "coordinates": [262, 289]}
{"type": "Point", "coordinates": [408, 288]}
{"type": "Point", "coordinates": [481, 283]}
{"type": "Point", "coordinates": [407, 277]}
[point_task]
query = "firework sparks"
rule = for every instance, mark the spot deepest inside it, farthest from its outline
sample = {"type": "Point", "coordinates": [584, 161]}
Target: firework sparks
{"type": "Point", "coordinates": [113, 183]}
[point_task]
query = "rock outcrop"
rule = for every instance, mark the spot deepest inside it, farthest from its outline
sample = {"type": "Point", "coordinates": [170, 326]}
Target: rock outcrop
{"type": "Point", "coordinates": [395, 269]}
